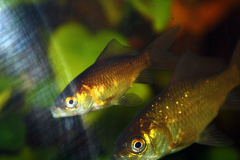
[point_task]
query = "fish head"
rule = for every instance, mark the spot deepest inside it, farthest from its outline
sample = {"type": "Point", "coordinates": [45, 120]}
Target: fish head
{"type": "Point", "coordinates": [72, 101]}
{"type": "Point", "coordinates": [147, 141]}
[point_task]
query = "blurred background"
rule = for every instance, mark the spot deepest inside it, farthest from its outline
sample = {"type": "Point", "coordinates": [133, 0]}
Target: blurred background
{"type": "Point", "coordinates": [44, 44]}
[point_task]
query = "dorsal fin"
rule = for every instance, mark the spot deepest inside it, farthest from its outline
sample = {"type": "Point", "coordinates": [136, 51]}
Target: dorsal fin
{"type": "Point", "coordinates": [114, 48]}
{"type": "Point", "coordinates": [193, 66]}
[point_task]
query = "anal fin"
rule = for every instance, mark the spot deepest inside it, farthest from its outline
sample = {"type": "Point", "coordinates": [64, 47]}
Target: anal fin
{"type": "Point", "coordinates": [213, 137]}
{"type": "Point", "coordinates": [144, 77]}
{"type": "Point", "coordinates": [129, 99]}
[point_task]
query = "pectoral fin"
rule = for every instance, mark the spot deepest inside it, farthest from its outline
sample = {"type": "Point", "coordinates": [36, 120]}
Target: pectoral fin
{"type": "Point", "coordinates": [213, 137]}
{"type": "Point", "coordinates": [129, 99]}
{"type": "Point", "coordinates": [232, 101]}
{"type": "Point", "coordinates": [187, 137]}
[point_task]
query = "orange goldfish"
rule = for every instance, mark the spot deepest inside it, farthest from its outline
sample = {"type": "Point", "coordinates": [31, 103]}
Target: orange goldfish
{"type": "Point", "coordinates": [180, 115]}
{"type": "Point", "coordinates": [105, 82]}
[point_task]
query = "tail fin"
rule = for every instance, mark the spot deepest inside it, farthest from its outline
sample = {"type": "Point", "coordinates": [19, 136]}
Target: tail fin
{"type": "Point", "coordinates": [158, 52]}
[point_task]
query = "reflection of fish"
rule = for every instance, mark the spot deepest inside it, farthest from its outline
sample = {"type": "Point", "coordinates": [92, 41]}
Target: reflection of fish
{"type": "Point", "coordinates": [104, 83]}
{"type": "Point", "coordinates": [179, 115]}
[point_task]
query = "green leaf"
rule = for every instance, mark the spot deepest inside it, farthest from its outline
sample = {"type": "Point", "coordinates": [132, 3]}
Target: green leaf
{"type": "Point", "coordinates": [223, 153]}
{"type": "Point", "coordinates": [158, 11]}
{"type": "Point", "coordinates": [46, 153]}
{"type": "Point", "coordinates": [12, 131]}
{"type": "Point", "coordinates": [112, 11]}
{"type": "Point", "coordinates": [5, 83]}
{"type": "Point", "coordinates": [4, 96]}
{"type": "Point", "coordinates": [43, 94]}
{"type": "Point", "coordinates": [29, 154]}
{"type": "Point", "coordinates": [25, 154]}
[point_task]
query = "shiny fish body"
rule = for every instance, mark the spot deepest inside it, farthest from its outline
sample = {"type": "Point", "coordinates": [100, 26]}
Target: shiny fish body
{"type": "Point", "coordinates": [109, 80]}
{"type": "Point", "coordinates": [179, 115]}
{"type": "Point", "coordinates": [105, 82]}
{"type": "Point", "coordinates": [191, 105]}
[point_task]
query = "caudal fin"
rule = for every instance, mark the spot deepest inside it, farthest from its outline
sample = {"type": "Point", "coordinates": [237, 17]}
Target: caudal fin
{"type": "Point", "coordinates": [158, 52]}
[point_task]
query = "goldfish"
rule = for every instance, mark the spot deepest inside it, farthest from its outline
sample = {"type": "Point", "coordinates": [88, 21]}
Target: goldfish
{"type": "Point", "coordinates": [105, 82]}
{"type": "Point", "coordinates": [181, 114]}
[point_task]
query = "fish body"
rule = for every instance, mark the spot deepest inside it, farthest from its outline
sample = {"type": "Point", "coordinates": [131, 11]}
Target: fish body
{"type": "Point", "coordinates": [102, 84]}
{"type": "Point", "coordinates": [105, 82]}
{"type": "Point", "coordinates": [180, 115]}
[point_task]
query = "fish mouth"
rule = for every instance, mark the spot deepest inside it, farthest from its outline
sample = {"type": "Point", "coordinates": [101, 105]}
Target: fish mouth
{"type": "Point", "coordinates": [56, 112]}
{"type": "Point", "coordinates": [114, 157]}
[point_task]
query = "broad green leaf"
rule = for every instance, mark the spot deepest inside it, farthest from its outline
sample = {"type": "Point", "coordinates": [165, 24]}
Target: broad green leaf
{"type": "Point", "coordinates": [67, 49]}
{"type": "Point", "coordinates": [12, 131]}
{"type": "Point", "coordinates": [5, 83]}
{"type": "Point", "coordinates": [46, 153]}
{"type": "Point", "coordinates": [43, 94]}
{"type": "Point", "coordinates": [28, 154]}
{"type": "Point", "coordinates": [112, 11]}
{"type": "Point", "coordinates": [158, 11]}
{"type": "Point", "coordinates": [5, 89]}
{"type": "Point", "coordinates": [25, 154]}
{"type": "Point", "coordinates": [4, 96]}
{"type": "Point", "coordinates": [223, 153]}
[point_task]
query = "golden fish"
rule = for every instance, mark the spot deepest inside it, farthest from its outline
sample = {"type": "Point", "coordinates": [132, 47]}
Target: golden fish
{"type": "Point", "coordinates": [180, 115]}
{"type": "Point", "coordinates": [105, 82]}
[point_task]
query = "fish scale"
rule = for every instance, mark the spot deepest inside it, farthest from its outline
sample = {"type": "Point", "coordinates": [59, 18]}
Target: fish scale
{"type": "Point", "coordinates": [191, 106]}
{"type": "Point", "coordinates": [122, 73]}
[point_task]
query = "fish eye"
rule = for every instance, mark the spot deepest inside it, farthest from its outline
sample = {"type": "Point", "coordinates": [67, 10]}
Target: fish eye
{"type": "Point", "coordinates": [138, 145]}
{"type": "Point", "coordinates": [71, 102]}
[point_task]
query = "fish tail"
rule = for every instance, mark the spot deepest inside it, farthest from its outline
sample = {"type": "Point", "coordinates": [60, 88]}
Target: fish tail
{"type": "Point", "coordinates": [157, 52]}
{"type": "Point", "coordinates": [235, 61]}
